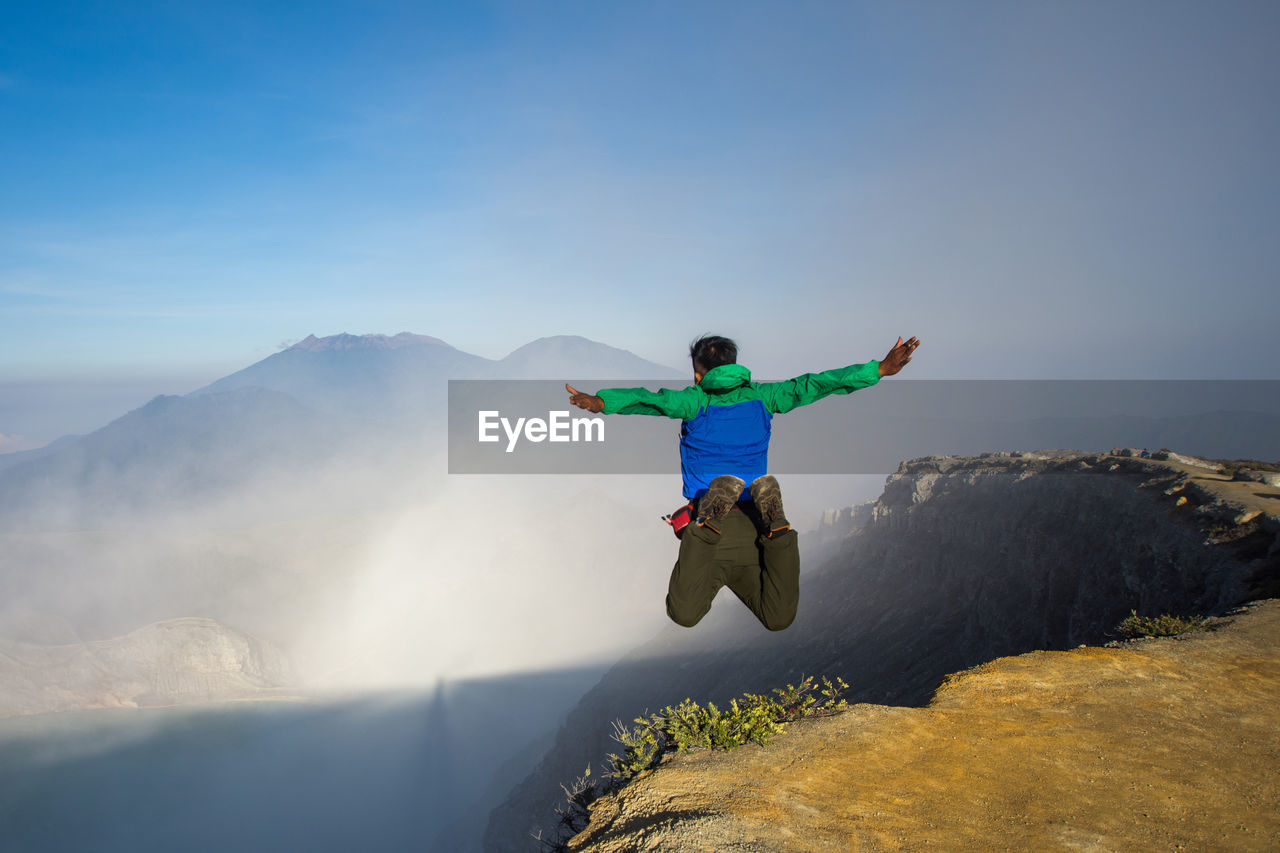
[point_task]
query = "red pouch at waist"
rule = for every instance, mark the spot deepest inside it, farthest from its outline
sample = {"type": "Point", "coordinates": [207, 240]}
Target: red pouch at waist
{"type": "Point", "coordinates": [680, 519]}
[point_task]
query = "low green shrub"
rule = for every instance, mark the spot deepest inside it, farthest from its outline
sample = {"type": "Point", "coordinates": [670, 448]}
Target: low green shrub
{"type": "Point", "coordinates": [753, 719]}
{"type": "Point", "coordinates": [1164, 625]}
{"type": "Point", "coordinates": [679, 728]}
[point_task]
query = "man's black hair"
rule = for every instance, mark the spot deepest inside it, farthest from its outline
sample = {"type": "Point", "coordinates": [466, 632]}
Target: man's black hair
{"type": "Point", "coordinates": [711, 351]}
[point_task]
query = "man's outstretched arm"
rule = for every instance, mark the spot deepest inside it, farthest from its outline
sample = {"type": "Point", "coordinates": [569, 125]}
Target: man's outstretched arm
{"type": "Point", "coordinates": [780, 397]}
{"type": "Point", "coordinates": [671, 403]}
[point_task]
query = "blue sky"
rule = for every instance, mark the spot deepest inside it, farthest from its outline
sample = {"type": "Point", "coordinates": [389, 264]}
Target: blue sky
{"type": "Point", "coordinates": [1050, 189]}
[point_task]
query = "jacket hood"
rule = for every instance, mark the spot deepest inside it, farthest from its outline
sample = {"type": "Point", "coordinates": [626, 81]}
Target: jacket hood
{"type": "Point", "coordinates": [724, 378]}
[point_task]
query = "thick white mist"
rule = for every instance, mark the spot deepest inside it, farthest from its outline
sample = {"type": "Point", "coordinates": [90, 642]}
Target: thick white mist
{"type": "Point", "coordinates": [497, 575]}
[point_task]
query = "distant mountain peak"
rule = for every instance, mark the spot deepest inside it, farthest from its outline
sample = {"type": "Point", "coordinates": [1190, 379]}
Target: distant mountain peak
{"type": "Point", "coordinates": [550, 339]}
{"type": "Point", "coordinates": [345, 341]}
{"type": "Point", "coordinates": [561, 343]}
{"type": "Point", "coordinates": [556, 354]}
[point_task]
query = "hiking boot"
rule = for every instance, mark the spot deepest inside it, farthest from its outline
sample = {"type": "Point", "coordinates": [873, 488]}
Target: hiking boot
{"type": "Point", "coordinates": [767, 496]}
{"type": "Point", "coordinates": [721, 495]}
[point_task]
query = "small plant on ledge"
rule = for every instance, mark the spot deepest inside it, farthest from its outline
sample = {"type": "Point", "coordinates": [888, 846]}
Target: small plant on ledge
{"type": "Point", "coordinates": [754, 718]}
{"type": "Point", "coordinates": [1158, 626]}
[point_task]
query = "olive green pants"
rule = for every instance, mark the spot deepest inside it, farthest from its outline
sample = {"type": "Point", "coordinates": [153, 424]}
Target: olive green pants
{"type": "Point", "coordinates": [764, 573]}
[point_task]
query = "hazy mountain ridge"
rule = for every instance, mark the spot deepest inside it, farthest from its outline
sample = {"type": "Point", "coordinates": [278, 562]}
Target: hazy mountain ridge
{"type": "Point", "coordinates": [366, 376]}
{"type": "Point", "coordinates": [366, 401]}
{"type": "Point", "coordinates": [572, 355]}
{"type": "Point", "coordinates": [173, 454]}
{"type": "Point", "coordinates": [404, 375]}
{"type": "Point", "coordinates": [18, 457]}
{"type": "Point", "coordinates": [962, 560]}
{"type": "Point", "coordinates": [345, 341]}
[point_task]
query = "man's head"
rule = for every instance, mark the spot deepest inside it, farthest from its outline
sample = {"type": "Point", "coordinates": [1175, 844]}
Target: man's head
{"type": "Point", "coordinates": [711, 351]}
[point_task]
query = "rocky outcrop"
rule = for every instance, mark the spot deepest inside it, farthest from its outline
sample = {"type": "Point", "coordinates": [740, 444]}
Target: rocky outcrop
{"type": "Point", "coordinates": [963, 560]}
{"type": "Point", "coordinates": [1158, 745]}
{"type": "Point", "coordinates": [167, 663]}
{"type": "Point", "coordinates": [836, 524]}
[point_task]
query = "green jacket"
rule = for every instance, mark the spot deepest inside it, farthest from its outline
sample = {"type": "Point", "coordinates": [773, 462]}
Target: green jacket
{"type": "Point", "coordinates": [727, 417]}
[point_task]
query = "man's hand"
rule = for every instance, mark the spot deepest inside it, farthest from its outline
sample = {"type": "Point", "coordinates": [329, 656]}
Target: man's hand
{"type": "Point", "coordinates": [590, 402]}
{"type": "Point", "coordinates": [898, 357]}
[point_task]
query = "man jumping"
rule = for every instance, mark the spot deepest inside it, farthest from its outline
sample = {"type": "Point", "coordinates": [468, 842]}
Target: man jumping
{"type": "Point", "coordinates": [744, 543]}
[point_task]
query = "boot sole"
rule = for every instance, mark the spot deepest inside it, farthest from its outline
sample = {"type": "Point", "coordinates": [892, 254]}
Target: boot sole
{"type": "Point", "coordinates": [722, 494]}
{"type": "Point", "coordinates": [767, 496]}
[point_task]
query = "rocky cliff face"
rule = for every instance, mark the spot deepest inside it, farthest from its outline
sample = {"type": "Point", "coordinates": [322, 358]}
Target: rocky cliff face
{"type": "Point", "coordinates": [962, 560]}
{"type": "Point", "coordinates": [166, 663]}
